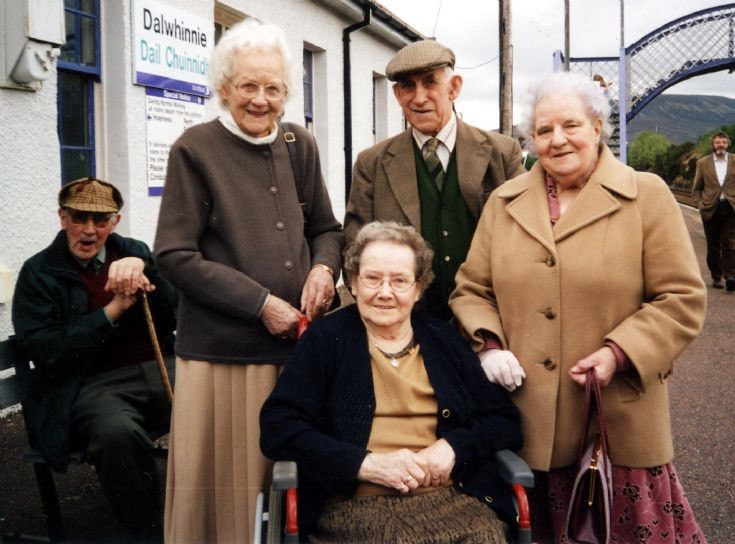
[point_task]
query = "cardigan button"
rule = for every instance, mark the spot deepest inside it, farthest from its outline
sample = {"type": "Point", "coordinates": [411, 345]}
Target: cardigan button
{"type": "Point", "coordinates": [550, 261]}
{"type": "Point", "coordinates": [549, 313]}
{"type": "Point", "coordinates": [549, 364]}
{"type": "Point", "coordinates": [447, 258]}
{"type": "Point", "coordinates": [446, 413]}
{"type": "Point", "coordinates": [273, 190]}
{"type": "Point", "coordinates": [288, 265]}
{"type": "Point", "coordinates": [488, 499]}
{"type": "Point", "coordinates": [280, 225]}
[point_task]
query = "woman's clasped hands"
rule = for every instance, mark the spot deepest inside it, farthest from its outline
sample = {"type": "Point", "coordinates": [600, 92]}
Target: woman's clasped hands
{"type": "Point", "coordinates": [404, 470]}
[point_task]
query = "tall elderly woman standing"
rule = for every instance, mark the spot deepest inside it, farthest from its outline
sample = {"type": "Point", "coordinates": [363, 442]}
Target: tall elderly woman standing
{"type": "Point", "coordinates": [585, 263]}
{"type": "Point", "coordinates": [250, 249]}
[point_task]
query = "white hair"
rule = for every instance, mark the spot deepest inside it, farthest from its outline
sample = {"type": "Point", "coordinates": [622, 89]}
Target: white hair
{"type": "Point", "coordinates": [567, 84]}
{"type": "Point", "coordinates": [248, 36]}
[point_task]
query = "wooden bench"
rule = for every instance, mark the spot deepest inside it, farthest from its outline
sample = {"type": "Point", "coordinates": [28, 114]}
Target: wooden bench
{"type": "Point", "coordinates": [13, 389]}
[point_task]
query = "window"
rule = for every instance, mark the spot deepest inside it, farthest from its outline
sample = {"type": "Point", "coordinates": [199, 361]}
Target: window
{"type": "Point", "coordinates": [224, 18]}
{"type": "Point", "coordinates": [79, 68]}
{"type": "Point", "coordinates": [308, 89]}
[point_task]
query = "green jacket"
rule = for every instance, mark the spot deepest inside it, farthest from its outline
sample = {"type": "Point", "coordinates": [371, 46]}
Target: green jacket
{"type": "Point", "coordinates": [56, 331]}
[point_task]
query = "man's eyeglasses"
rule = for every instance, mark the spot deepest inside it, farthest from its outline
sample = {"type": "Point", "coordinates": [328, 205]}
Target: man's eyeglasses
{"type": "Point", "coordinates": [100, 219]}
{"type": "Point", "coordinates": [250, 89]}
{"type": "Point", "coordinates": [398, 284]}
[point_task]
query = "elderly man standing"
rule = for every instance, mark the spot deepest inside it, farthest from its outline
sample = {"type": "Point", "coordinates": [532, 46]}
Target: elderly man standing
{"type": "Point", "coordinates": [436, 175]}
{"type": "Point", "coordinates": [76, 315]}
{"type": "Point", "coordinates": [714, 191]}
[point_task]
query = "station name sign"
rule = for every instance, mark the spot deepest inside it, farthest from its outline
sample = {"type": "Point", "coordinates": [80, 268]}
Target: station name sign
{"type": "Point", "coordinates": [171, 48]}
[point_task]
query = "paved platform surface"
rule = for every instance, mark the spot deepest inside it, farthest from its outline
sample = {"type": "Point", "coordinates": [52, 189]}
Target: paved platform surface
{"type": "Point", "coordinates": [703, 418]}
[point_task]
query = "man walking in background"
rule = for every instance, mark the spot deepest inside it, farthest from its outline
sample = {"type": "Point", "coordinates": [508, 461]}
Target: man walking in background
{"type": "Point", "coordinates": [714, 191]}
{"type": "Point", "coordinates": [436, 175]}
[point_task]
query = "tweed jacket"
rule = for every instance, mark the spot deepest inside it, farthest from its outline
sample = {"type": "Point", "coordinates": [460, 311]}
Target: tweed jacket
{"type": "Point", "coordinates": [618, 265]}
{"type": "Point", "coordinates": [384, 186]}
{"type": "Point", "coordinates": [707, 189]}
{"type": "Point", "coordinates": [232, 230]}
{"type": "Point", "coordinates": [64, 340]}
{"type": "Point", "coordinates": [321, 410]}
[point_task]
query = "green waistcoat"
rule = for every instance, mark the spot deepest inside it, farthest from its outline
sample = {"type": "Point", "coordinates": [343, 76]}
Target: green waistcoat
{"type": "Point", "coordinates": [447, 225]}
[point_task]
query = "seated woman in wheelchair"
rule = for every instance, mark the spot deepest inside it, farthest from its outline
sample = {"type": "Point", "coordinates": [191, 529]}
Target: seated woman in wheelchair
{"type": "Point", "coordinates": [388, 414]}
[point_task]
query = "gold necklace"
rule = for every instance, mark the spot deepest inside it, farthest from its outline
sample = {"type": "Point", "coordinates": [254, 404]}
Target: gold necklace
{"type": "Point", "coordinates": [393, 357]}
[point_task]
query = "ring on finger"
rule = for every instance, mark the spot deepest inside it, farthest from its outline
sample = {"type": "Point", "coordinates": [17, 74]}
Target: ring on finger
{"type": "Point", "coordinates": [407, 479]}
{"type": "Point", "coordinates": [325, 302]}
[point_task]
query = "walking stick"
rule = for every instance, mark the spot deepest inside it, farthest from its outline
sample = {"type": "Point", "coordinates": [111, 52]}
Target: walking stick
{"type": "Point", "coordinates": [157, 348]}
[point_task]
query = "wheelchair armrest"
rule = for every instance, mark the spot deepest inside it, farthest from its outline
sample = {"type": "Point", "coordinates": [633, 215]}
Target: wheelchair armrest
{"type": "Point", "coordinates": [285, 475]}
{"type": "Point", "coordinates": [513, 469]}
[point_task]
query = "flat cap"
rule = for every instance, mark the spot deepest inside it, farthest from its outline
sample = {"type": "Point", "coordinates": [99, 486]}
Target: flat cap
{"type": "Point", "coordinates": [421, 56]}
{"type": "Point", "coordinates": [90, 195]}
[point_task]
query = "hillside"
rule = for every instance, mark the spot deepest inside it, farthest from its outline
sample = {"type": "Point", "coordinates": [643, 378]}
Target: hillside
{"type": "Point", "coordinates": [683, 118]}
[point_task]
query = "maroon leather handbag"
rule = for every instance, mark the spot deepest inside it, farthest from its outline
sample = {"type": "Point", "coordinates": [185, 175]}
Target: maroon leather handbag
{"type": "Point", "coordinates": [588, 518]}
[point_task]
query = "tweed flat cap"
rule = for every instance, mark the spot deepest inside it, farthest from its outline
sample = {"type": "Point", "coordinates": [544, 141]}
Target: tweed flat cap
{"type": "Point", "coordinates": [90, 195]}
{"type": "Point", "coordinates": [421, 56]}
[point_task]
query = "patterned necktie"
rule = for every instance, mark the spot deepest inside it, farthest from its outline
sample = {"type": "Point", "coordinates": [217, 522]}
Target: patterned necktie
{"type": "Point", "coordinates": [436, 170]}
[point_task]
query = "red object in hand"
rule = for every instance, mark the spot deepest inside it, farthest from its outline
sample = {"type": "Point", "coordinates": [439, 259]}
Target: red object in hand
{"type": "Point", "coordinates": [302, 326]}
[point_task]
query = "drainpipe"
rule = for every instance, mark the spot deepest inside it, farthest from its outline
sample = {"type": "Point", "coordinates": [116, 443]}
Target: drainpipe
{"type": "Point", "coordinates": [347, 90]}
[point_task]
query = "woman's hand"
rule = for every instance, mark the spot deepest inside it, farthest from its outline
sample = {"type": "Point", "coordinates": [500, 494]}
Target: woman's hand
{"type": "Point", "coordinates": [279, 317]}
{"type": "Point", "coordinates": [602, 360]}
{"type": "Point", "coordinates": [503, 368]}
{"type": "Point", "coordinates": [318, 292]}
{"type": "Point", "coordinates": [402, 470]}
{"type": "Point", "coordinates": [441, 458]}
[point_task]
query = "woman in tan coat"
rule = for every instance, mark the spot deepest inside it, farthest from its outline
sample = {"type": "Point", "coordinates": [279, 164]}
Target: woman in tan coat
{"type": "Point", "coordinates": [583, 262]}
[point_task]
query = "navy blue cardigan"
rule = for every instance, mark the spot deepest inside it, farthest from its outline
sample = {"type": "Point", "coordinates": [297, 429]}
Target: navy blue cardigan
{"type": "Point", "coordinates": [321, 411]}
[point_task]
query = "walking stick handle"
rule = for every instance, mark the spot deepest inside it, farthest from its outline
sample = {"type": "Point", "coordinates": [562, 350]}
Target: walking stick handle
{"type": "Point", "coordinates": [157, 348]}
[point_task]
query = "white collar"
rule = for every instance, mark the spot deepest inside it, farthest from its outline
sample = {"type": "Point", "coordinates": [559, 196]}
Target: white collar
{"type": "Point", "coordinates": [229, 123]}
{"type": "Point", "coordinates": [447, 135]}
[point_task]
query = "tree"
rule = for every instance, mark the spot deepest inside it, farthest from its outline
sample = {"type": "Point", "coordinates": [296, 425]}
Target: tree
{"type": "Point", "coordinates": [646, 149]}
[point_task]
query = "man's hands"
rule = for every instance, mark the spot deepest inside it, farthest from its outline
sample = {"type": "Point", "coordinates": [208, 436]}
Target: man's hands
{"type": "Point", "coordinates": [124, 279]}
{"type": "Point", "coordinates": [503, 368]}
{"type": "Point", "coordinates": [404, 470]}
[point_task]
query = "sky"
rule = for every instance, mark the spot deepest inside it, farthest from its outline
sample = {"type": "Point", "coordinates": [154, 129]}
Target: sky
{"type": "Point", "coordinates": [470, 28]}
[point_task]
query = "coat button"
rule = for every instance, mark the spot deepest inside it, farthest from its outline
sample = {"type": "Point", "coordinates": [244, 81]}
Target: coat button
{"type": "Point", "coordinates": [549, 364]}
{"type": "Point", "coordinates": [550, 261]}
{"type": "Point", "coordinates": [280, 225]}
{"type": "Point", "coordinates": [273, 190]}
{"type": "Point", "coordinates": [288, 265]}
{"type": "Point", "coordinates": [549, 313]}
{"type": "Point", "coordinates": [447, 258]}
{"type": "Point", "coordinates": [488, 499]}
{"type": "Point", "coordinates": [446, 413]}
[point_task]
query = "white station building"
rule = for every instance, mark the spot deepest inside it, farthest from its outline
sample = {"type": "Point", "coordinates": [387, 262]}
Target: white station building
{"type": "Point", "coordinates": [104, 87]}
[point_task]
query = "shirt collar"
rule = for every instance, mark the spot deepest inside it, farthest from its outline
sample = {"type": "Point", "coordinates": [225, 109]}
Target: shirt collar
{"type": "Point", "coordinates": [447, 135]}
{"type": "Point", "coordinates": [229, 123]}
{"type": "Point", "coordinates": [723, 159]}
{"type": "Point", "coordinates": [100, 258]}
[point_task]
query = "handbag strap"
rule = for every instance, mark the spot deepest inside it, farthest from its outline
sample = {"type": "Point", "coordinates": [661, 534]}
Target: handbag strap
{"type": "Point", "coordinates": [593, 402]}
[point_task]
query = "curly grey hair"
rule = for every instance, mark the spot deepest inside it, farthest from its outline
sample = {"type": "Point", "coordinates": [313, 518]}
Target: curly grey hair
{"type": "Point", "coordinates": [248, 36]}
{"type": "Point", "coordinates": [568, 84]}
{"type": "Point", "coordinates": [394, 233]}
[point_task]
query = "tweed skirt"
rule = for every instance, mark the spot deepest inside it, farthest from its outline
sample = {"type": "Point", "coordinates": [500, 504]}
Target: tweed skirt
{"type": "Point", "coordinates": [215, 468]}
{"type": "Point", "coordinates": [442, 516]}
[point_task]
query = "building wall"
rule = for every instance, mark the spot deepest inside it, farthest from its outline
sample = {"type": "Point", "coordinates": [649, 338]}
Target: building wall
{"type": "Point", "coordinates": [29, 148]}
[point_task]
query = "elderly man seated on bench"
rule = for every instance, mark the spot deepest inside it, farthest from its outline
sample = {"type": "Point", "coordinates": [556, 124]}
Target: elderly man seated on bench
{"type": "Point", "coordinates": [77, 316]}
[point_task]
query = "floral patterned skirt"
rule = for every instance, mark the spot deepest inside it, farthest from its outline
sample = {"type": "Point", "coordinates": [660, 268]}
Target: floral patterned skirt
{"type": "Point", "coordinates": [649, 507]}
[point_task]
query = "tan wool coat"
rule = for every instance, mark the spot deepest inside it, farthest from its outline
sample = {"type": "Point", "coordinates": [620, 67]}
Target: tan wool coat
{"type": "Point", "coordinates": [618, 265]}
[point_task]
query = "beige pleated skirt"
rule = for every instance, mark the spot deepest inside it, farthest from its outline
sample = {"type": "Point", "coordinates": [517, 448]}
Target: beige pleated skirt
{"type": "Point", "coordinates": [215, 468]}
